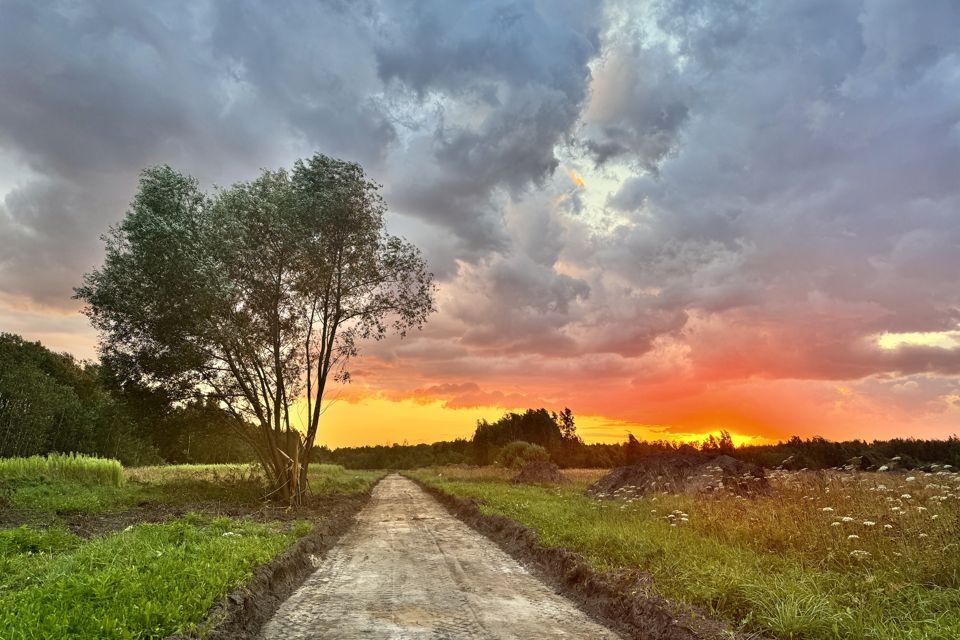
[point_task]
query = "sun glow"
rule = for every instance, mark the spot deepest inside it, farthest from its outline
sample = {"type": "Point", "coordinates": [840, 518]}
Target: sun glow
{"type": "Point", "coordinates": [375, 420]}
{"type": "Point", "coordinates": [939, 339]}
{"type": "Point", "coordinates": [575, 177]}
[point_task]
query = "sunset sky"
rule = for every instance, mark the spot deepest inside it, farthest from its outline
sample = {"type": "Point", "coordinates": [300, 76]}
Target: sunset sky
{"type": "Point", "coordinates": [673, 217]}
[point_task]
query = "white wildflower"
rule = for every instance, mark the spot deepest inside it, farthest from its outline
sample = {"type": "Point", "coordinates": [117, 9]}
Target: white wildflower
{"type": "Point", "coordinates": [853, 536]}
{"type": "Point", "coordinates": [869, 523]}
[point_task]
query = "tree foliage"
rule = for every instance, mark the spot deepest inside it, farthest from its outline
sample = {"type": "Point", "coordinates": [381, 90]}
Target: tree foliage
{"type": "Point", "coordinates": [51, 403]}
{"type": "Point", "coordinates": [255, 296]}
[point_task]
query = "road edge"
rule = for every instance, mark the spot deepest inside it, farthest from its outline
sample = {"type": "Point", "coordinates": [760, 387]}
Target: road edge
{"type": "Point", "coordinates": [619, 601]}
{"type": "Point", "coordinates": [241, 613]}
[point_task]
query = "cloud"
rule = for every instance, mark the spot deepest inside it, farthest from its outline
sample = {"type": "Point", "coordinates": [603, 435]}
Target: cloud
{"type": "Point", "coordinates": [765, 186]}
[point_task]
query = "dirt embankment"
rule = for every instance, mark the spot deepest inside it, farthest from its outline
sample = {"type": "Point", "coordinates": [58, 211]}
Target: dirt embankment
{"type": "Point", "coordinates": [240, 615]}
{"type": "Point", "coordinates": [621, 600]}
{"type": "Point", "coordinates": [692, 473]}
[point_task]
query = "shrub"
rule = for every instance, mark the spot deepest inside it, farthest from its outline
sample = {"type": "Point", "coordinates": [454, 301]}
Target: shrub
{"type": "Point", "coordinates": [518, 453]}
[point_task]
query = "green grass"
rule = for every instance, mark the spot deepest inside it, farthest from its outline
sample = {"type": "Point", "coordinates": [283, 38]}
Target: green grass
{"type": "Point", "coordinates": [148, 581]}
{"type": "Point", "coordinates": [23, 487]}
{"type": "Point", "coordinates": [776, 565]}
{"type": "Point", "coordinates": [62, 467]}
{"type": "Point", "coordinates": [326, 479]}
{"type": "Point", "coordinates": [67, 497]}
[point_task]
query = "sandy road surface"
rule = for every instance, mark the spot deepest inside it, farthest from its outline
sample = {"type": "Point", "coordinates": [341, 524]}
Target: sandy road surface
{"type": "Point", "coordinates": [410, 570]}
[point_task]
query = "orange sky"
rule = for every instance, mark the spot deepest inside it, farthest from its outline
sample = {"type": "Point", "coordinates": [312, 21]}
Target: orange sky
{"type": "Point", "coordinates": [380, 421]}
{"type": "Point", "coordinates": [405, 392]}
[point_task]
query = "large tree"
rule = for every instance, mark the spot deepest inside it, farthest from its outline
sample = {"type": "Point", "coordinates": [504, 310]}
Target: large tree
{"type": "Point", "coordinates": [255, 296]}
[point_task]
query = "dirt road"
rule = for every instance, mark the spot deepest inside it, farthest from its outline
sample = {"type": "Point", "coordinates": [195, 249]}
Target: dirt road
{"type": "Point", "coordinates": [410, 570]}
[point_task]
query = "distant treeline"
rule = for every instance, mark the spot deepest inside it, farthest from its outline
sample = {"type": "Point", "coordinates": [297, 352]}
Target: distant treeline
{"type": "Point", "coordinates": [557, 434]}
{"type": "Point", "coordinates": [50, 403]}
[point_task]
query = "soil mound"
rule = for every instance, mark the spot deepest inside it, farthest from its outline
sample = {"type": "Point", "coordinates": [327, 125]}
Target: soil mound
{"type": "Point", "coordinates": [690, 473]}
{"type": "Point", "coordinates": [539, 472]}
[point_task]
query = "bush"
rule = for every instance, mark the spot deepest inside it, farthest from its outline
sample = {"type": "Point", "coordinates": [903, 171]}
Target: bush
{"type": "Point", "coordinates": [518, 453]}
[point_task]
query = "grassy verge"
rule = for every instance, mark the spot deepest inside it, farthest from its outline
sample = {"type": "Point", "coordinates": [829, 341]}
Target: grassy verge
{"type": "Point", "coordinates": [236, 484]}
{"type": "Point", "coordinates": [145, 582]}
{"type": "Point", "coordinates": [778, 565]}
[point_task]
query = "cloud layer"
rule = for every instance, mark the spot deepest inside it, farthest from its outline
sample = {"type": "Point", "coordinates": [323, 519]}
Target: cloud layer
{"type": "Point", "coordinates": [692, 215]}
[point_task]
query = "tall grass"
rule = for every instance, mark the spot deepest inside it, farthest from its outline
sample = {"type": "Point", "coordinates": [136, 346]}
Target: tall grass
{"type": "Point", "coordinates": [826, 556]}
{"type": "Point", "coordinates": [70, 467]}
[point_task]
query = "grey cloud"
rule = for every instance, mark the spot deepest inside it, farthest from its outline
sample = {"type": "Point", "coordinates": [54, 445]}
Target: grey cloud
{"type": "Point", "coordinates": [507, 82]}
{"type": "Point", "coordinates": [794, 163]}
{"type": "Point", "coordinates": [639, 107]}
{"type": "Point", "coordinates": [816, 175]}
{"type": "Point", "coordinates": [515, 305]}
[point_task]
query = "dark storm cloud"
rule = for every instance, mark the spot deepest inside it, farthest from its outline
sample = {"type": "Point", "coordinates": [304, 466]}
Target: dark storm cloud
{"type": "Point", "coordinates": [507, 81]}
{"type": "Point", "coordinates": [471, 102]}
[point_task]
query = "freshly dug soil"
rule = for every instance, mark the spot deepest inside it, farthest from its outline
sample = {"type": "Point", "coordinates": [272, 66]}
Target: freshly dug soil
{"type": "Point", "coordinates": [240, 615]}
{"type": "Point", "coordinates": [621, 600]}
{"type": "Point", "coordinates": [691, 473]}
{"type": "Point", "coordinates": [539, 472]}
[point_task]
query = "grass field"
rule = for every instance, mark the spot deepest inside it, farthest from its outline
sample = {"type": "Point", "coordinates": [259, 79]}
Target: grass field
{"type": "Point", "coordinates": [826, 555]}
{"type": "Point", "coordinates": [60, 467]}
{"type": "Point", "coordinates": [142, 579]}
{"type": "Point", "coordinates": [146, 582]}
{"type": "Point", "coordinates": [77, 484]}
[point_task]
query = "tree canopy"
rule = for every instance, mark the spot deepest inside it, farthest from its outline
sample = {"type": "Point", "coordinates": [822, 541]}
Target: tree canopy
{"type": "Point", "coordinates": [254, 296]}
{"type": "Point", "coordinates": [51, 403]}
